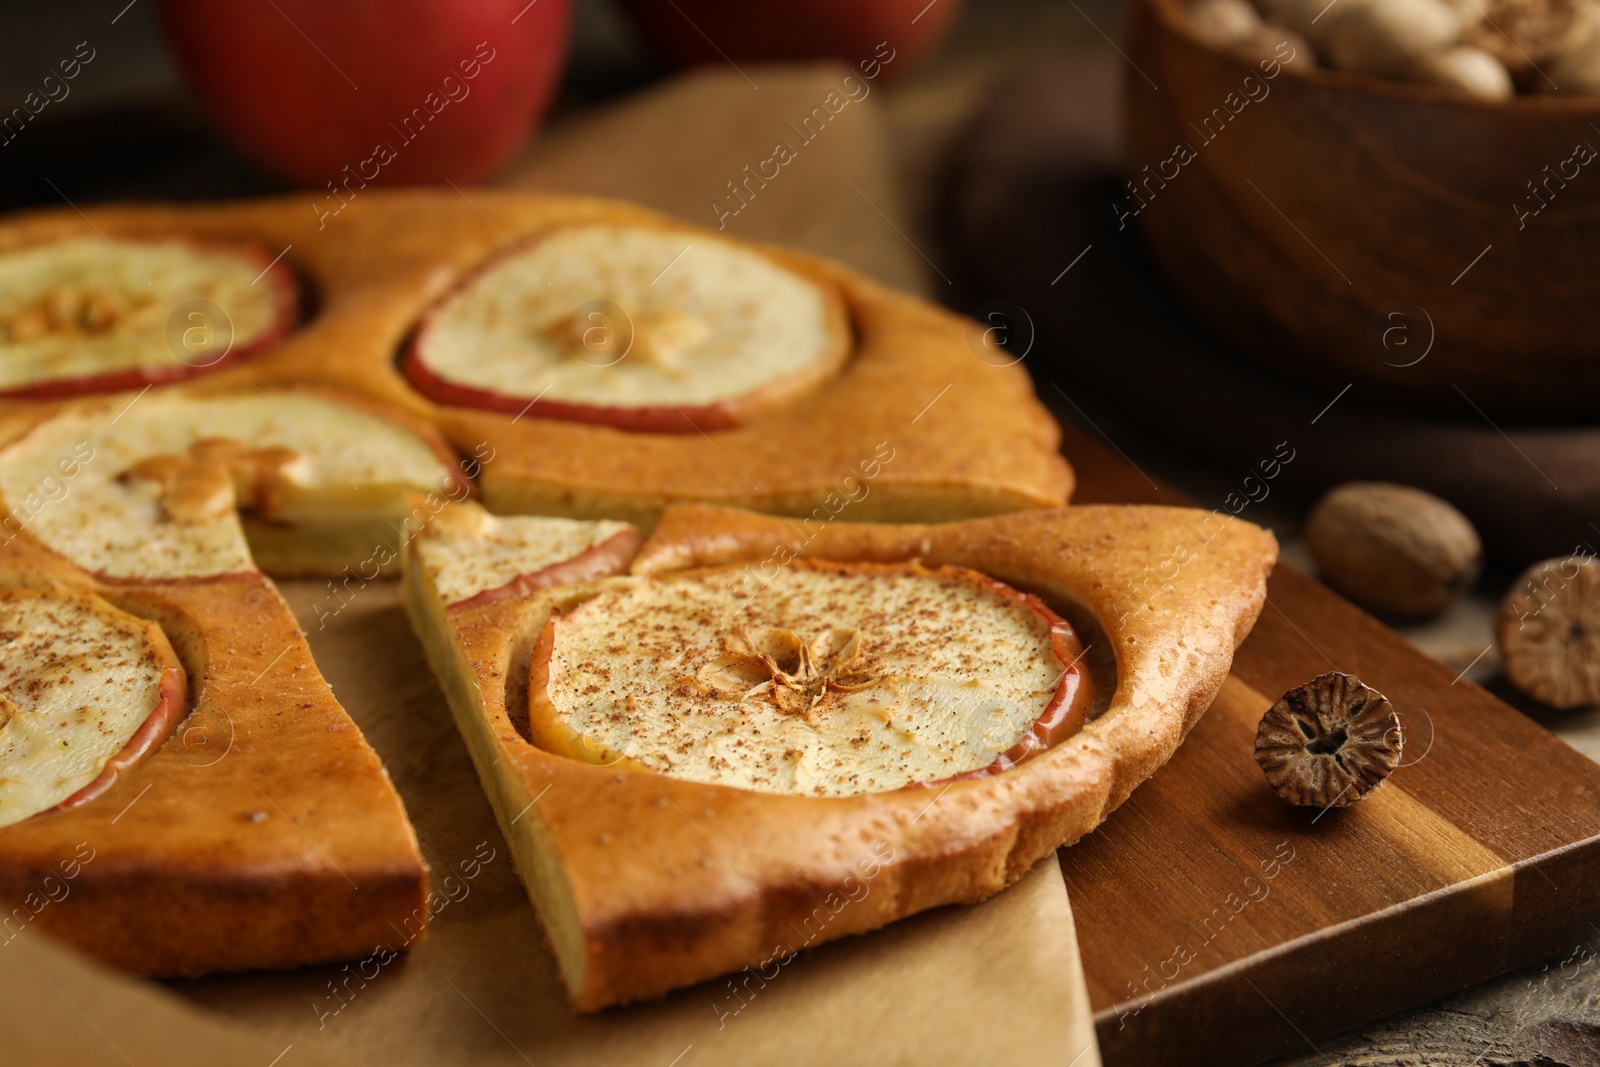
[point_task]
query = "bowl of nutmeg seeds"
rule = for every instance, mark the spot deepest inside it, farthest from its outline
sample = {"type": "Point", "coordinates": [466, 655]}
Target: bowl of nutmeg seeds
{"type": "Point", "coordinates": [1400, 194]}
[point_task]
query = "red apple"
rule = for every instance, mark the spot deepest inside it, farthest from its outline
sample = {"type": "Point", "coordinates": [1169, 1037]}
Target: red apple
{"type": "Point", "coordinates": [388, 91]}
{"type": "Point", "coordinates": [874, 36]}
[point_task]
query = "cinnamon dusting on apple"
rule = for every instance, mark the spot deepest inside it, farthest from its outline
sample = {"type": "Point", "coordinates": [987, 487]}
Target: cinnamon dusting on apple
{"type": "Point", "coordinates": [79, 315]}
{"type": "Point", "coordinates": [642, 328]}
{"type": "Point", "coordinates": [834, 679]}
{"type": "Point", "coordinates": [86, 692]}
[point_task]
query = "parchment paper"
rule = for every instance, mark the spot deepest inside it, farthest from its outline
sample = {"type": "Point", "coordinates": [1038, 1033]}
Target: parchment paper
{"type": "Point", "coordinates": [999, 982]}
{"type": "Point", "coordinates": [676, 147]}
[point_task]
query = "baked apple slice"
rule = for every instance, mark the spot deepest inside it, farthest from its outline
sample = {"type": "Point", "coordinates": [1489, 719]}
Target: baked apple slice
{"type": "Point", "coordinates": [833, 679]}
{"type": "Point", "coordinates": [640, 328]}
{"type": "Point", "coordinates": [83, 315]}
{"type": "Point", "coordinates": [474, 559]}
{"type": "Point", "coordinates": [86, 691]}
{"type": "Point", "coordinates": [184, 485]}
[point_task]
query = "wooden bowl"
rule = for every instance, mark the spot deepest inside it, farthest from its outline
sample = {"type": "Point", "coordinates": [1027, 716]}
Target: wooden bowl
{"type": "Point", "coordinates": [1348, 230]}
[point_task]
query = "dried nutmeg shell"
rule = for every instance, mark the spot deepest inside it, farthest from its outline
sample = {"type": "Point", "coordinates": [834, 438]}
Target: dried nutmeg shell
{"type": "Point", "coordinates": [1329, 742]}
{"type": "Point", "coordinates": [1549, 631]}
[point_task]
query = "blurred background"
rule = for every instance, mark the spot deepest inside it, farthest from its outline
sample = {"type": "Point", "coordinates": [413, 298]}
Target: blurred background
{"type": "Point", "coordinates": [130, 126]}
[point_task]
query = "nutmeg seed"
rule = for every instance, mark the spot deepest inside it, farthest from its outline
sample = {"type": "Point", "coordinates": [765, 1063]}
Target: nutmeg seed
{"type": "Point", "coordinates": [1385, 37]}
{"type": "Point", "coordinates": [1548, 630]}
{"type": "Point", "coordinates": [1308, 18]}
{"type": "Point", "coordinates": [1223, 22]}
{"type": "Point", "coordinates": [1466, 70]}
{"type": "Point", "coordinates": [1574, 73]}
{"type": "Point", "coordinates": [1329, 742]}
{"type": "Point", "coordinates": [1275, 44]}
{"type": "Point", "coordinates": [1393, 549]}
{"type": "Point", "coordinates": [1485, 49]}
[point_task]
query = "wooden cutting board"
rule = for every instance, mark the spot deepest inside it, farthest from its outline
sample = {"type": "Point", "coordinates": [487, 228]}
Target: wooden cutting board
{"type": "Point", "coordinates": [1219, 924]}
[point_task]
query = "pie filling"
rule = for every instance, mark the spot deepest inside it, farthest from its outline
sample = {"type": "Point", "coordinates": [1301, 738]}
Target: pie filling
{"type": "Point", "coordinates": [474, 558]}
{"type": "Point", "coordinates": [150, 486]}
{"type": "Point", "coordinates": [639, 328]}
{"type": "Point", "coordinates": [86, 691]}
{"type": "Point", "coordinates": [85, 315]}
{"type": "Point", "coordinates": [833, 680]}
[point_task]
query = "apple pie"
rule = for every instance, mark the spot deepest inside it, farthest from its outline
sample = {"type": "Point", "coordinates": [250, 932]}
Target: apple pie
{"type": "Point", "coordinates": [585, 323]}
{"type": "Point", "coordinates": [711, 736]}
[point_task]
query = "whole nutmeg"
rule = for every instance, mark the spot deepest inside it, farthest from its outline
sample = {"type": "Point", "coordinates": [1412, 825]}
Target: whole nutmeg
{"type": "Point", "coordinates": [1223, 22]}
{"type": "Point", "coordinates": [1384, 38]}
{"type": "Point", "coordinates": [1310, 19]}
{"type": "Point", "coordinates": [1548, 630]}
{"type": "Point", "coordinates": [1466, 70]}
{"type": "Point", "coordinates": [1269, 43]}
{"type": "Point", "coordinates": [1393, 549]}
{"type": "Point", "coordinates": [1330, 742]}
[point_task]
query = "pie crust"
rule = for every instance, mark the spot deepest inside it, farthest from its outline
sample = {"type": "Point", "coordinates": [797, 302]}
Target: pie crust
{"type": "Point", "coordinates": [645, 883]}
{"type": "Point", "coordinates": [916, 426]}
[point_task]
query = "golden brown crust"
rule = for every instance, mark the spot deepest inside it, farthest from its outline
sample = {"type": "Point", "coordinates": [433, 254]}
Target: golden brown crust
{"type": "Point", "coordinates": [647, 883]}
{"type": "Point", "coordinates": [966, 438]}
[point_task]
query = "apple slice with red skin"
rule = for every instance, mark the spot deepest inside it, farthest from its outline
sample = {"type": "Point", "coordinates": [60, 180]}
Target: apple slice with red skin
{"type": "Point", "coordinates": [172, 704]}
{"type": "Point", "coordinates": [275, 274]}
{"type": "Point", "coordinates": [722, 415]}
{"type": "Point", "coordinates": [1064, 714]}
{"type": "Point", "coordinates": [603, 560]}
{"type": "Point", "coordinates": [688, 418]}
{"type": "Point", "coordinates": [668, 418]}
